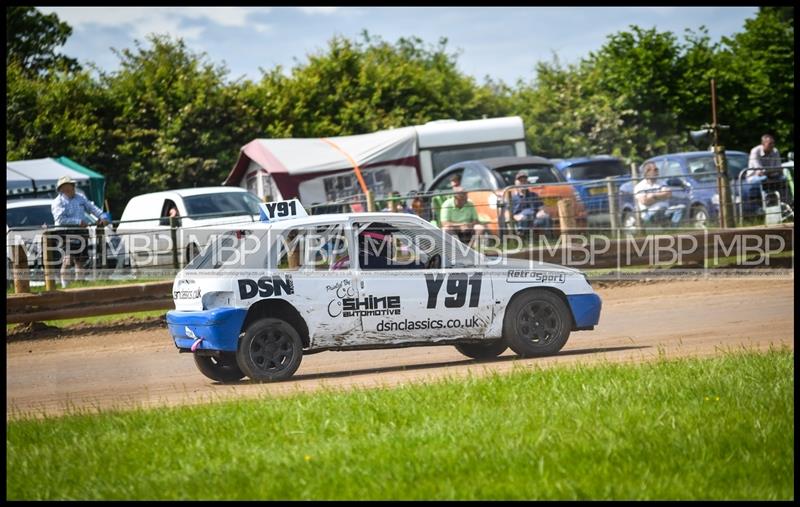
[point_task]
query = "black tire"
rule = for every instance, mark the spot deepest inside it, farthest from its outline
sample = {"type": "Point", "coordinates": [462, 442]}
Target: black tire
{"type": "Point", "coordinates": [488, 350]}
{"type": "Point", "coordinates": [537, 323]}
{"type": "Point", "coordinates": [222, 369]}
{"type": "Point", "coordinates": [270, 350]}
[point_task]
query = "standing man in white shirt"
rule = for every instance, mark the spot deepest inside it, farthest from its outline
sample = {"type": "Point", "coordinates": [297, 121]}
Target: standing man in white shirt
{"type": "Point", "coordinates": [68, 210]}
{"type": "Point", "coordinates": [651, 196]}
{"type": "Point", "coordinates": [764, 156]}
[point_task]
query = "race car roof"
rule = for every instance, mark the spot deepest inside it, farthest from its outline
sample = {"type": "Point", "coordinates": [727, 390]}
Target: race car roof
{"type": "Point", "coordinates": [337, 218]}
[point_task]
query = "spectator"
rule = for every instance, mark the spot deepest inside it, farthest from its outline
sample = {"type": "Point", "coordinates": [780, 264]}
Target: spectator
{"type": "Point", "coordinates": [68, 210]}
{"type": "Point", "coordinates": [459, 216]}
{"type": "Point", "coordinates": [395, 204]}
{"type": "Point", "coordinates": [764, 156]}
{"type": "Point", "coordinates": [455, 181]}
{"type": "Point", "coordinates": [418, 206]}
{"type": "Point", "coordinates": [652, 198]}
{"type": "Point", "coordinates": [527, 207]}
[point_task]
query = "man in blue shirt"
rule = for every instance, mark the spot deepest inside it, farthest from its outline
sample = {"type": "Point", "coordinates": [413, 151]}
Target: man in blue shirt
{"type": "Point", "coordinates": [68, 209]}
{"type": "Point", "coordinates": [527, 207]}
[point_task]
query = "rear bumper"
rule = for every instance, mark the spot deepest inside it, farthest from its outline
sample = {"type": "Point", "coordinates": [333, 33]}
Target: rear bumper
{"type": "Point", "coordinates": [585, 310]}
{"type": "Point", "coordinates": [219, 328]}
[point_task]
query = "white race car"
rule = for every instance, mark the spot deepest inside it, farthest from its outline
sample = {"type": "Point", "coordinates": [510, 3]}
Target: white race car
{"type": "Point", "coordinates": [256, 300]}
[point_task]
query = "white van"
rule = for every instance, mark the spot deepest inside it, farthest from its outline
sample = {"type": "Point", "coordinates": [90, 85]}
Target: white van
{"type": "Point", "coordinates": [200, 213]}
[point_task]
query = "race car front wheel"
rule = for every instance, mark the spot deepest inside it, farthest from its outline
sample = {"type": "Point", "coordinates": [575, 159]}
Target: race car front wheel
{"type": "Point", "coordinates": [488, 350]}
{"type": "Point", "coordinates": [270, 350]}
{"type": "Point", "coordinates": [221, 369]}
{"type": "Point", "coordinates": [537, 323]}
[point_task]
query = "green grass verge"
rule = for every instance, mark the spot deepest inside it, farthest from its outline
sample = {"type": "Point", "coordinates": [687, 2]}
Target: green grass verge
{"type": "Point", "coordinates": [100, 319]}
{"type": "Point", "coordinates": [719, 428]}
{"type": "Point", "coordinates": [81, 284]}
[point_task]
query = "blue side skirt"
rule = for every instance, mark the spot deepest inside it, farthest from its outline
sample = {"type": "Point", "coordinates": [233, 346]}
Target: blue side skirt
{"type": "Point", "coordinates": [585, 310]}
{"type": "Point", "coordinates": [219, 328]}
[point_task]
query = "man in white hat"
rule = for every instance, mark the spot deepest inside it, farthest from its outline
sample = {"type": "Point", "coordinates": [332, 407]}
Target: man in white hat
{"type": "Point", "coordinates": [68, 210]}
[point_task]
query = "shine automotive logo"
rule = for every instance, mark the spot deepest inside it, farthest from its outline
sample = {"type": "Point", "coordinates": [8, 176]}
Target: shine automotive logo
{"type": "Point", "coordinates": [347, 305]}
{"type": "Point", "coordinates": [528, 276]}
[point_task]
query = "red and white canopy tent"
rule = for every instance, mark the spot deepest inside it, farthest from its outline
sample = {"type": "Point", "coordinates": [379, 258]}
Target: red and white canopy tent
{"type": "Point", "coordinates": [324, 169]}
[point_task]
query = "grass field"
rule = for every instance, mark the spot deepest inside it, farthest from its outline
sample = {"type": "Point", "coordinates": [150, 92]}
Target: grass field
{"type": "Point", "coordinates": [718, 428]}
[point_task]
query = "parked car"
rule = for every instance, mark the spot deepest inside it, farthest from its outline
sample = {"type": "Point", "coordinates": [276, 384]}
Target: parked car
{"type": "Point", "coordinates": [588, 176]}
{"type": "Point", "coordinates": [145, 222]}
{"type": "Point", "coordinates": [341, 282]}
{"type": "Point", "coordinates": [27, 219]}
{"type": "Point", "coordinates": [692, 178]}
{"type": "Point", "coordinates": [485, 180]}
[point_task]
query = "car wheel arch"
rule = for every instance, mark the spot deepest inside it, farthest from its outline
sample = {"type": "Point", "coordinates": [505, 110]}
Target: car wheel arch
{"type": "Point", "coordinates": [280, 309]}
{"type": "Point", "coordinates": [551, 290]}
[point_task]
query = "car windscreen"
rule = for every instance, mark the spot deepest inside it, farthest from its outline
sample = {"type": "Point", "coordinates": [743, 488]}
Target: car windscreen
{"type": "Point", "coordinates": [221, 204]}
{"type": "Point", "coordinates": [736, 163]}
{"type": "Point", "coordinates": [536, 174]}
{"type": "Point", "coordinates": [704, 168]}
{"type": "Point", "coordinates": [239, 249]}
{"type": "Point", "coordinates": [30, 216]}
{"type": "Point", "coordinates": [596, 170]}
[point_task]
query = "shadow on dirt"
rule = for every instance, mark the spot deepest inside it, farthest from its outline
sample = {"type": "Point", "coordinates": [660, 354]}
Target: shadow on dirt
{"type": "Point", "coordinates": [441, 364]}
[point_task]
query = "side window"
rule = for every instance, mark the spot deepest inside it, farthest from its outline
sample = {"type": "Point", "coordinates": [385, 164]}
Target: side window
{"type": "Point", "coordinates": [168, 209]}
{"type": "Point", "coordinates": [384, 246]}
{"type": "Point", "coordinates": [444, 184]}
{"type": "Point", "coordinates": [445, 157]}
{"type": "Point", "coordinates": [472, 179]}
{"type": "Point", "coordinates": [671, 169]}
{"type": "Point", "coordinates": [323, 248]}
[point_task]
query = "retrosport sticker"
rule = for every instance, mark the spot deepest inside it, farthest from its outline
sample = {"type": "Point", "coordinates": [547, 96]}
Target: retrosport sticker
{"type": "Point", "coordinates": [530, 276]}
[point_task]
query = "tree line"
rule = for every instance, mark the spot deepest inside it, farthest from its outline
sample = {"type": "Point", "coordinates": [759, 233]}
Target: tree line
{"type": "Point", "coordinates": [169, 118]}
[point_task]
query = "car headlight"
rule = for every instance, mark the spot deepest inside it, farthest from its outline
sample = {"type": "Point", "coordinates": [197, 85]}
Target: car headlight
{"type": "Point", "coordinates": [216, 299]}
{"type": "Point", "coordinates": [715, 199]}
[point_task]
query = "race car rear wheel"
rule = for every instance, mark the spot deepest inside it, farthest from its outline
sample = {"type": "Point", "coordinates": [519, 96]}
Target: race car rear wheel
{"type": "Point", "coordinates": [270, 350]}
{"type": "Point", "coordinates": [488, 350]}
{"type": "Point", "coordinates": [221, 369]}
{"type": "Point", "coordinates": [537, 323]}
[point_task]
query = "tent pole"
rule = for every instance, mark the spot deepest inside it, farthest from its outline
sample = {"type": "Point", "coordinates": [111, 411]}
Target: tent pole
{"type": "Point", "coordinates": [353, 162]}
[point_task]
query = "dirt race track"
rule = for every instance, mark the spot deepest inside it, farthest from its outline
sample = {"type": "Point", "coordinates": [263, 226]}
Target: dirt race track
{"type": "Point", "coordinates": [142, 368]}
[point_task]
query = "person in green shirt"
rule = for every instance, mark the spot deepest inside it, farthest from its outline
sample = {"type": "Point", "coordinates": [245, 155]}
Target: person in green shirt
{"type": "Point", "coordinates": [459, 216]}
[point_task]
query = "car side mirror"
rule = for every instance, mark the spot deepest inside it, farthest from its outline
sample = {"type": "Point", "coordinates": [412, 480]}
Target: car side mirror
{"type": "Point", "coordinates": [676, 182]}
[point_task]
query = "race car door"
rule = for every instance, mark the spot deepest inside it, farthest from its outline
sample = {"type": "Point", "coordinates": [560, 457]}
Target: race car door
{"type": "Point", "coordinates": [317, 257]}
{"type": "Point", "coordinates": [401, 299]}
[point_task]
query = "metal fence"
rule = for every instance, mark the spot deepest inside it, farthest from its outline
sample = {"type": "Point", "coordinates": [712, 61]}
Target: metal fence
{"type": "Point", "coordinates": [157, 248]}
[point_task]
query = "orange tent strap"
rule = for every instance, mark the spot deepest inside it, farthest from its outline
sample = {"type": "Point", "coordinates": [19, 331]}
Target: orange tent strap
{"type": "Point", "coordinates": [352, 161]}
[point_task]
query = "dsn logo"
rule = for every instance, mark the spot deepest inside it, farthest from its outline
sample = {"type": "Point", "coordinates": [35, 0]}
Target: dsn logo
{"type": "Point", "coordinates": [266, 286]}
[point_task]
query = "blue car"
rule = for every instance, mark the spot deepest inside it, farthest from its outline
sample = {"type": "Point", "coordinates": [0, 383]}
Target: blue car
{"type": "Point", "coordinates": [587, 175]}
{"type": "Point", "coordinates": [692, 179]}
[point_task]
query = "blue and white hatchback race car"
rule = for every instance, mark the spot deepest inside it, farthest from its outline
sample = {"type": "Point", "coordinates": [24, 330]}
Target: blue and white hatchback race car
{"type": "Point", "coordinates": [257, 300]}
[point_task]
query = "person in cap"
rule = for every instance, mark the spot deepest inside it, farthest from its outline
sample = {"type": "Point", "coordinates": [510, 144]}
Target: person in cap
{"type": "Point", "coordinates": [527, 207]}
{"type": "Point", "coordinates": [69, 209]}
